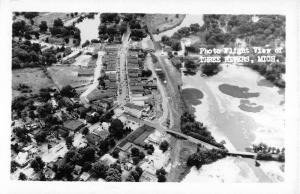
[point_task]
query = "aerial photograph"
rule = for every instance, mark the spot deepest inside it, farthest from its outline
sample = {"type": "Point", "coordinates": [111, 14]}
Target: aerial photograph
{"type": "Point", "coordinates": [140, 97]}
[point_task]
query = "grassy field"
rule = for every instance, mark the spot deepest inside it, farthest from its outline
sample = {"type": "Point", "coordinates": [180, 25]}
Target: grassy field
{"type": "Point", "coordinates": [33, 77]}
{"type": "Point", "coordinates": [162, 22]}
{"type": "Point", "coordinates": [67, 75]}
{"type": "Point", "coordinates": [49, 17]}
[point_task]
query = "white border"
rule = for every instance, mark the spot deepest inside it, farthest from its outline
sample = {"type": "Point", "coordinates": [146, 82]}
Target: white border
{"type": "Point", "coordinates": [288, 8]}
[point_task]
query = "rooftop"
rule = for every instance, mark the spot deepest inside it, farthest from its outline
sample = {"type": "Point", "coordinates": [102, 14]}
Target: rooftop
{"type": "Point", "coordinates": [72, 125]}
{"type": "Point", "coordinates": [130, 105]}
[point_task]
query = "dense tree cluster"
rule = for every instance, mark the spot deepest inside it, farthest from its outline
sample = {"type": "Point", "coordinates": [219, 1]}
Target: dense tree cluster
{"type": "Point", "coordinates": [210, 69]}
{"type": "Point", "coordinates": [37, 164]}
{"type": "Point", "coordinates": [191, 127]}
{"type": "Point", "coordinates": [161, 175]}
{"type": "Point", "coordinates": [110, 18]}
{"type": "Point", "coordinates": [110, 28]}
{"type": "Point", "coordinates": [110, 173]}
{"type": "Point", "coordinates": [22, 134]}
{"type": "Point", "coordinates": [117, 129]}
{"type": "Point", "coordinates": [60, 31]}
{"type": "Point", "coordinates": [137, 155]}
{"type": "Point", "coordinates": [68, 91]}
{"type": "Point", "coordinates": [135, 175]}
{"type": "Point", "coordinates": [265, 152]}
{"type": "Point", "coordinates": [172, 42]}
{"type": "Point", "coordinates": [27, 54]}
{"type": "Point", "coordinates": [272, 72]}
{"type": "Point", "coordinates": [149, 148]}
{"type": "Point", "coordinates": [202, 157]}
{"type": "Point", "coordinates": [146, 73]}
{"type": "Point", "coordinates": [43, 26]}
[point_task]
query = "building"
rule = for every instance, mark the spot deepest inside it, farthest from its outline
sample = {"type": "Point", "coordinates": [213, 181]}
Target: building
{"type": "Point", "coordinates": [93, 139]}
{"type": "Point", "coordinates": [72, 125]}
{"type": "Point", "coordinates": [148, 177]}
{"type": "Point", "coordinates": [84, 176]}
{"type": "Point", "coordinates": [85, 72]}
{"type": "Point", "coordinates": [133, 110]}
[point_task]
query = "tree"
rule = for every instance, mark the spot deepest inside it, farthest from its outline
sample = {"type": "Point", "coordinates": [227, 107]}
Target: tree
{"type": "Point", "coordinates": [13, 166]}
{"type": "Point", "coordinates": [176, 46]}
{"type": "Point", "coordinates": [115, 154]}
{"type": "Point", "coordinates": [146, 73]}
{"type": "Point", "coordinates": [113, 175]}
{"type": "Point", "coordinates": [99, 169]}
{"type": "Point", "coordinates": [69, 141]}
{"type": "Point", "coordinates": [65, 170]}
{"type": "Point", "coordinates": [141, 155]}
{"type": "Point", "coordinates": [130, 178]}
{"type": "Point", "coordinates": [195, 27]}
{"type": "Point", "coordinates": [88, 154]}
{"type": "Point", "coordinates": [43, 26]}
{"type": "Point", "coordinates": [21, 133]}
{"type": "Point", "coordinates": [136, 160]}
{"type": "Point", "coordinates": [161, 175]}
{"type": "Point", "coordinates": [37, 164]}
{"type": "Point", "coordinates": [68, 91]}
{"type": "Point", "coordinates": [85, 131]}
{"type": "Point", "coordinates": [116, 129]}
{"type": "Point", "coordinates": [41, 136]}
{"type": "Point", "coordinates": [164, 145]}
{"type": "Point", "coordinates": [22, 176]}
{"type": "Point", "coordinates": [58, 23]}
{"type": "Point", "coordinates": [30, 15]}
{"type": "Point", "coordinates": [149, 148]}
{"type": "Point", "coordinates": [135, 152]}
{"type": "Point", "coordinates": [87, 166]}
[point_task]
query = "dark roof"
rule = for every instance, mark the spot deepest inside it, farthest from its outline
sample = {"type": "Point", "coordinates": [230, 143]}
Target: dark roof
{"type": "Point", "coordinates": [73, 125]}
{"type": "Point", "coordinates": [93, 138]}
{"type": "Point", "coordinates": [138, 135]}
{"type": "Point", "coordinates": [130, 105]}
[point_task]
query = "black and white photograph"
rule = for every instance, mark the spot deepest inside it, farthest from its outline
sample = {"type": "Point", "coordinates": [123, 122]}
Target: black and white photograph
{"type": "Point", "coordinates": [165, 97]}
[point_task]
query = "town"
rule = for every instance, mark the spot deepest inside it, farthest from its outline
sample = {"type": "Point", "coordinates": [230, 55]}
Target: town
{"type": "Point", "coordinates": [111, 107]}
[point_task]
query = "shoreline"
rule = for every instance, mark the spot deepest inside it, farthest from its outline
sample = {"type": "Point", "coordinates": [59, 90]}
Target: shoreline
{"type": "Point", "coordinates": [169, 28]}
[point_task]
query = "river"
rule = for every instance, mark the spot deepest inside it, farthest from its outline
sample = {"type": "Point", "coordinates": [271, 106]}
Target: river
{"type": "Point", "coordinates": [239, 106]}
{"type": "Point", "coordinates": [188, 20]}
{"type": "Point", "coordinates": [89, 28]}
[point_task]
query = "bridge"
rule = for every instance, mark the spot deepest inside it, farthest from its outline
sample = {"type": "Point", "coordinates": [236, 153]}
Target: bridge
{"type": "Point", "coordinates": [192, 139]}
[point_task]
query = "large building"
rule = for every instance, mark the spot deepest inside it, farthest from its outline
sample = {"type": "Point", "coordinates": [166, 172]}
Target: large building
{"type": "Point", "coordinates": [133, 110]}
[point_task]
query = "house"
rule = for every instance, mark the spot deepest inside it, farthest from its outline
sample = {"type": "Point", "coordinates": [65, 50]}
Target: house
{"type": "Point", "coordinates": [93, 139]}
{"type": "Point", "coordinates": [49, 173]}
{"type": "Point", "coordinates": [72, 125]}
{"type": "Point", "coordinates": [76, 172]}
{"type": "Point", "coordinates": [85, 72]}
{"type": "Point", "coordinates": [108, 159]}
{"type": "Point", "coordinates": [84, 176]}
{"type": "Point", "coordinates": [148, 177]}
{"type": "Point", "coordinates": [133, 110]}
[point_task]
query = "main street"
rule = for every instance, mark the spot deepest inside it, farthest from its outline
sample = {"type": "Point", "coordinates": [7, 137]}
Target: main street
{"type": "Point", "coordinates": [123, 84]}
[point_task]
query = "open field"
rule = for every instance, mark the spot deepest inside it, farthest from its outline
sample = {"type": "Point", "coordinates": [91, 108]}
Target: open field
{"type": "Point", "coordinates": [49, 17]}
{"type": "Point", "coordinates": [67, 75]}
{"type": "Point", "coordinates": [33, 77]}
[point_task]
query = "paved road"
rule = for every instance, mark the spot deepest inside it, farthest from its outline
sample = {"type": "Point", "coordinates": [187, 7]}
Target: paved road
{"type": "Point", "coordinates": [123, 70]}
{"type": "Point", "coordinates": [97, 73]}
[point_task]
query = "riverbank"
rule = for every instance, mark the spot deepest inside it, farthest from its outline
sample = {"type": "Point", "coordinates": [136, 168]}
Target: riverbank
{"type": "Point", "coordinates": [157, 23]}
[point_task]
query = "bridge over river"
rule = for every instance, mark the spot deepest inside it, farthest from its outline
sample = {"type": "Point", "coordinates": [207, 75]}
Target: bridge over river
{"type": "Point", "coordinates": [191, 139]}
